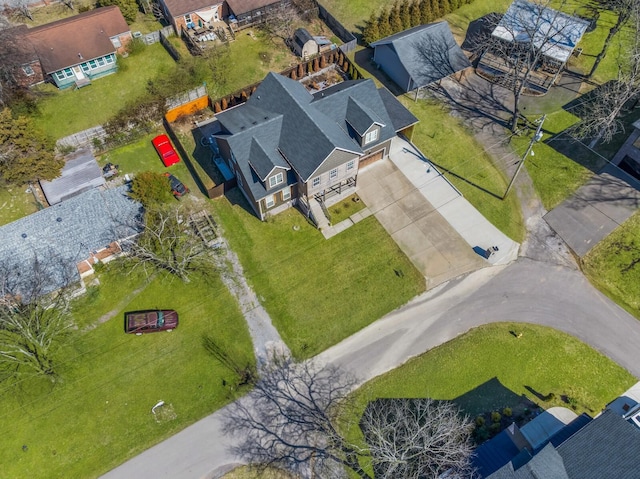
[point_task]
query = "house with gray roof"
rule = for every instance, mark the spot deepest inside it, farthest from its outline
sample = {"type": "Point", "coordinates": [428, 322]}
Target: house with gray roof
{"type": "Point", "coordinates": [71, 235]}
{"type": "Point", "coordinates": [604, 447]}
{"type": "Point", "coordinates": [289, 147]}
{"type": "Point", "coordinates": [79, 174]}
{"type": "Point", "coordinates": [419, 56]}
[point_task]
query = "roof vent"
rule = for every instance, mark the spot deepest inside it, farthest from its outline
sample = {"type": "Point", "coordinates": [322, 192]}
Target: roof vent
{"type": "Point", "coordinates": [58, 219]}
{"type": "Point", "coordinates": [254, 122]}
{"type": "Point", "coordinates": [80, 56]}
{"type": "Point", "coordinates": [24, 235]}
{"type": "Point", "coordinates": [258, 97]}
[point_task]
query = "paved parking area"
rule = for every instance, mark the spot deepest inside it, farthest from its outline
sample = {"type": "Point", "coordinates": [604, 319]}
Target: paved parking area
{"type": "Point", "coordinates": [432, 245]}
{"type": "Point", "coordinates": [596, 209]}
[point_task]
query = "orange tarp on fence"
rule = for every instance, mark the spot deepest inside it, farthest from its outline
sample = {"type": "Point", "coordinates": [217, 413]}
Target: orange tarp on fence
{"type": "Point", "coordinates": [187, 109]}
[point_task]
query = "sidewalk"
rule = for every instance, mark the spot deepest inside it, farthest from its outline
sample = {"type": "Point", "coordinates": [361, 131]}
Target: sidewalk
{"type": "Point", "coordinates": [474, 228]}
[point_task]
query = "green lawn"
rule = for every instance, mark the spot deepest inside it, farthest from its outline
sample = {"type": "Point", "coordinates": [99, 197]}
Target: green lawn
{"type": "Point", "coordinates": [15, 202]}
{"type": "Point", "coordinates": [141, 156]}
{"type": "Point", "coordinates": [466, 158]}
{"type": "Point", "coordinates": [613, 265]}
{"type": "Point", "coordinates": [309, 284]}
{"type": "Point", "coordinates": [63, 112]}
{"type": "Point", "coordinates": [253, 55]}
{"type": "Point", "coordinates": [559, 165]}
{"type": "Point", "coordinates": [466, 369]}
{"type": "Point", "coordinates": [99, 413]}
{"type": "Point", "coordinates": [347, 207]}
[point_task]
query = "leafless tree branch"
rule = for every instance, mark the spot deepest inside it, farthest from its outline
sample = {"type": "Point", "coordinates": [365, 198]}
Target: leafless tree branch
{"type": "Point", "coordinates": [417, 438]}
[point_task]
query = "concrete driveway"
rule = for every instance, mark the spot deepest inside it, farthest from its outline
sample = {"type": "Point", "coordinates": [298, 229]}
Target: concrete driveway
{"type": "Point", "coordinates": [432, 245]}
{"type": "Point", "coordinates": [596, 209]}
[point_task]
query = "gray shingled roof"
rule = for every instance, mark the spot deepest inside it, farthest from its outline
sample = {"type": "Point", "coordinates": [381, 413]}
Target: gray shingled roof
{"type": "Point", "coordinates": [427, 52]}
{"type": "Point", "coordinates": [400, 116]}
{"type": "Point", "coordinates": [80, 173]}
{"type": "Point", "coordinates": [547, 464]}
{"type": "Point", "coordinates": [334, 102]}
{"type": "Point", "coordinates": [293, 128]}
{"type": "Point", "coordinates": [71, 230]}
{"type": "Point", "coordinates": [607, 447]}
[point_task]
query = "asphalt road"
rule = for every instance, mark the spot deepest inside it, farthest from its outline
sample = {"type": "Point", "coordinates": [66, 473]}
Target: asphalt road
{"type": "Point", "coordinates": [527, 291]}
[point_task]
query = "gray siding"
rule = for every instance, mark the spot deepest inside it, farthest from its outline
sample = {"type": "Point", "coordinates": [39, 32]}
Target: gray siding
{"type": "Point", "coordinates": [386, 145]}
{"type": "Point", "coordinates": [338, 159]}
{"type": "Point", "coordinates": [390, 64]}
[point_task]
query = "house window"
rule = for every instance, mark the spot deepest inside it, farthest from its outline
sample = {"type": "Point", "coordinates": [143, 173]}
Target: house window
{"type": "Point", "coordinates": [286, 194]}
{"type": "Point", "coordinates": [60, 75]}
{"type": "Point", "coordinates": [333, 174]}
{"type": "Point", "coordinates": [116, 42]}
{"type": "Point", "coordinates": [187, 19]}
{"type": "Point", "coordinates": [93, 64]}
{"type": "Point", "coordinates": [233, 157]}
{"type": "Point", "coordinates": [315, 182]}
{"type": "Point", "coordinates": [85, 68]}
{"type": "Point", "coordinates": [109, 58]}
{"type": "Point", "coordinates": [351, 165]}
{"type": "Point", "coordinates": [371, 136]}
{"type": "Point", "coordinates": [269, 201]}
{"type": "Point", "coordinates": [101, 61]}
{"type": "Point", "coordinates": [240, 181]}
{"type": "Point", "coordinates": [275, 180]}
{"type": "Point", "coordinates": [28, 70]}
{"type": "Point", "coordinates": [68, 72]}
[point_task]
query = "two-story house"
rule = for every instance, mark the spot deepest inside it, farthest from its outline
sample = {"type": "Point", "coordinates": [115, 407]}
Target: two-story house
{"type": "Point", "coordinates": [287, 146]}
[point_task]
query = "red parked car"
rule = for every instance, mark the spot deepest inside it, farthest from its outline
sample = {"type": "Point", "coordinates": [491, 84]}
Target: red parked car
{"type": "Point", "coordinates": [165, 149]}
{"type": "Point", "coordinates": [150, 321]}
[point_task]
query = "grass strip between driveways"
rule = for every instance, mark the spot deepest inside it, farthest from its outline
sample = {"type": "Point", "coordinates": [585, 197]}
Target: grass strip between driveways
{"type": "Point", "coordinates": [446, 141]}
{"type": "Point", "coordinates": [318, 291]}
{"type": "Point", "coordinates": [489, 368]}
{"type": "Point", "coordinates": [99, 413]}
{"type": "Point", "coordinates": [613, 265]}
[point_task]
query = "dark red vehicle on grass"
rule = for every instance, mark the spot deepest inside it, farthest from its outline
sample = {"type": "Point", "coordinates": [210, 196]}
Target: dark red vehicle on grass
{"type": "Point", "coordinates": [150, 321]}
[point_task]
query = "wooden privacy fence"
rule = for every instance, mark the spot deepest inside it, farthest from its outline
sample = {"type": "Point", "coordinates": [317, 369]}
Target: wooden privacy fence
{"type": "Point", "coordinates": [348, 39]}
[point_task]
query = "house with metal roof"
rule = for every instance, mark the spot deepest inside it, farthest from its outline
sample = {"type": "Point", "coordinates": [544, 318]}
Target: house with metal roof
{"type": "Point", "coordinates": [419, 56]}
{"type": "Point", "coordinates": [289, 147]}
{"type": "Point", "coordinates": [529, 26]}
{"type": "Point", "coordinates": [79, 174]}
{"type": "Point", "coordinates": [72, 235]}
{"type": "Point", "coordinates": [78, 49]}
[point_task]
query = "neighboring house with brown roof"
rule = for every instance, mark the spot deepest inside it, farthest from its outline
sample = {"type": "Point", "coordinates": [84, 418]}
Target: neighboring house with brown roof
{"type": "Point", "coordinates": [30, 70]}
{"type": "Point", "coordinates": [78, 49]}
{"type": "Point", "coordinates": [192, 13]}
{"type": "Point", "coordinates": [198, 14]}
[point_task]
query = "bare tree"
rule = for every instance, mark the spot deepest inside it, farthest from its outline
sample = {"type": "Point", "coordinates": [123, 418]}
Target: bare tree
{"type": "Point", "coordinates": [521, 53]}
{"type": "Point", "coordinates": [297, 415]}
{"type": "Point", "coordinates": [168, 242]}
{"type": "Point", "coordinates": [292, 419]}
{"type": "Point", "coordinates": [15, 52]}
{"type": "Point", "coordinates": [624, 9]}
{"type": "Point", "coordinates": [601, 115]}
{"type": "Point", "coordinates": [281, 21]}
{"type": "Point", "coordinates": [417, 438]}
{"type": "Point", "coordinates": [34, 317]}
{"type": "Point", "coordinates": [18, 9]}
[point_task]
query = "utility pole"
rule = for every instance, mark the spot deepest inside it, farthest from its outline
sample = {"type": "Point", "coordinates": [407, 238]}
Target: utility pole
{"type": "Point", "coordinates": [536, 138]}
